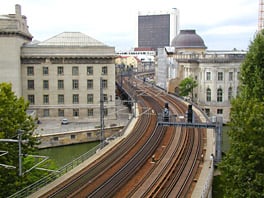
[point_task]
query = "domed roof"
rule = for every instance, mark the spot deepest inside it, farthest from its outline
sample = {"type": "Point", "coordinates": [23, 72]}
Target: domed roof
{"type": "Point", "coordinates": [188, 39]}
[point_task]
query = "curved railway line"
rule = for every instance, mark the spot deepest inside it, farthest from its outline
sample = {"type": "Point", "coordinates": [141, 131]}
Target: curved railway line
{"type": "Point", "coordinates": [129, 169]}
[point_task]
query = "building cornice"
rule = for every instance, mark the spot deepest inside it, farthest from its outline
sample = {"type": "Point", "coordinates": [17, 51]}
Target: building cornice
{"type": "Point", "coordinates": [68, 60]}
{"type": "Point", "coordinates": [17, 33]}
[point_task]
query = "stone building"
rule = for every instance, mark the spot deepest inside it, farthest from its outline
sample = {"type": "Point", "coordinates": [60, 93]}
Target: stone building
{"type": "Point", "coordinates": [216, 72]}
{"type": "Point", "coordinates": [13, 34]}
{"type": "Point", "coordinates": [60, 77]}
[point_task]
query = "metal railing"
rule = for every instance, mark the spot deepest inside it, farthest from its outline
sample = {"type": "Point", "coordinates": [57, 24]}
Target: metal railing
{"type": "Point", "coordinates": [61, 171]}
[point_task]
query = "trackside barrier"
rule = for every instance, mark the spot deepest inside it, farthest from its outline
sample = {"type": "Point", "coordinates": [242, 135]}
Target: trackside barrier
{"type": "Point", "coordinates": [208, 184]}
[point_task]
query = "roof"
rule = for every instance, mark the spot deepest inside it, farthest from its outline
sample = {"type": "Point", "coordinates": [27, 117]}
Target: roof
{"type": "Point", "coordinates": [71, 39]}
{"type": "Point", "coordinates": [188, 39]}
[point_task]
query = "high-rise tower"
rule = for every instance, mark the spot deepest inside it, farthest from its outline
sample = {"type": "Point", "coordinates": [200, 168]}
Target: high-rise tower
{"type": "Point", "coordinates": [261, 15]}
{"type": "Point", "coordinates": [156, 29]}
{"type": "Point", "coordinates": [13, 34]}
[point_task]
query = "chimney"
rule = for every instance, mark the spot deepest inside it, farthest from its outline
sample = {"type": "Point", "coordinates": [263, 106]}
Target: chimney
{"type": "Point", "coordinates": [18, 10]}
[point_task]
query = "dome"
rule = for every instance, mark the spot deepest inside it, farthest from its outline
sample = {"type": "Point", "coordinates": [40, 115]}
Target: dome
{"type": "Point", "coordinates": [188, 39]}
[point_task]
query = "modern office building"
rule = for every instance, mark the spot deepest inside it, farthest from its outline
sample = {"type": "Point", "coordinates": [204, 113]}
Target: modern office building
{"type": "Point", "coordinates": [216, 72]}
{"type": "Point", "coordinates": [60, 77]}
{"type": "Point", "coordinates": [156, 29]}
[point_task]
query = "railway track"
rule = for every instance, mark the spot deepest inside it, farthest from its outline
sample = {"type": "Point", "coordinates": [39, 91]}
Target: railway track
{"type": "Point", "coordinates": [109, 175]}
{"type": "Point", "coordinates": [176, 168]}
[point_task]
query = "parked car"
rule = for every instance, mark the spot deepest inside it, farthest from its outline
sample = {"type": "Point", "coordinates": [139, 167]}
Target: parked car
{"type": "Point", "coordinates": [64, 121]}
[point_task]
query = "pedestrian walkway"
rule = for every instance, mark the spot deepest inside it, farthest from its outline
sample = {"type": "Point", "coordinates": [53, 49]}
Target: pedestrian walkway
{"type": "Point", "coordinates": [203, 185]}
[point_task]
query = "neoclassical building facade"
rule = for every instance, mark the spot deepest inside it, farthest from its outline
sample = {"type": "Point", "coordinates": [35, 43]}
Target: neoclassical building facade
{"type": "Point", "coordinates": [67, 75]}
{"type": "Point", "coordinates": [216, 72]}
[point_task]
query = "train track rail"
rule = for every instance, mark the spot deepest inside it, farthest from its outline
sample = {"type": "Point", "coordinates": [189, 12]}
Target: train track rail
{"type": "Point", "coordinates": [176, 168]}
{"type": "Point", "coordinates": [109, 175]}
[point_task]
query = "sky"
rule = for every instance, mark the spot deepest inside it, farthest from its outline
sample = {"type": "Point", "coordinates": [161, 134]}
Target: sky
{"type": "Point", "coordinates": [223, 25]}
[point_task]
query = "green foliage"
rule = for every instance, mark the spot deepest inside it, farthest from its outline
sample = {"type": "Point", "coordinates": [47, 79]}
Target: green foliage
{"type": "Point", "coordinates": [13, 117]}
{"type": "Point", "coordinates": [242, 168]}
{"type": "Point", "coordinates": [252, 70]}
{"type": "Point", "coordinates": [186, 86]}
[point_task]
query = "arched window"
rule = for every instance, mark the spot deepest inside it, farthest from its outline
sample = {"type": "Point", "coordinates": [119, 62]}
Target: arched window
{"type": "Point", "coordinates": [230, 93]}
{"type": "Point", "coordinates": [208, 95]}
{"type": "Point", "coordinates": [219, 95]}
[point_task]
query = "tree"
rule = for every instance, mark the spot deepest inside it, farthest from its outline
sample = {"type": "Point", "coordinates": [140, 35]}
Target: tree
{"type": "Point", "coordinates": [242, 169]}
{"type": "Point", "coordinates": [186, 86]}
{"type": "Point", "coordinates": [13, 117]}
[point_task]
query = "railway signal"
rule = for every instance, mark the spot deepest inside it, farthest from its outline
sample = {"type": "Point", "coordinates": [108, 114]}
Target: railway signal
{"type": "Point", "coordinates": [190, 114]}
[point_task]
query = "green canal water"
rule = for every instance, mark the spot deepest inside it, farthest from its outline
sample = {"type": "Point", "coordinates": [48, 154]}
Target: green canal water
{"type": "Point", "coordinates": [65, 154]}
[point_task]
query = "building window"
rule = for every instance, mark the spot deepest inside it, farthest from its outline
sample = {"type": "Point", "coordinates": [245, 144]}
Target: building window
{"type": "Point", "coordinates": [104, 84]}
{"type": "Point", "coordinates": [61, 99]}
{"type": "Point", "coordinates": [208, 95]}
{"type": "Point", "coordinates": [30, 71]}
{"type": "Point", "coordinates": [61, 112]}
{"type": "Point", "coordinates": [30, 84]}
{"type": "Point", "coordinates": [60, 84]}
{"type": "Point", "coordinates": [75, 112]}
{"type": "Point", "coordinates": [230, 93]}
{"type": "Point", "coordinates": [220, 111]}
{"type": "Point", "coordinates": [31, 99]}
{"type": "Point", "coordinates": [89, 98]}
{"type": "Point", "coordinates": [45, 84]}
{"type": "Point", "coordinates": [208, 75]}
{"type": "Point", "coordinates": [105, 98]}
{"type": "Point", "coordinates": [89, 84]}
{"type": "Point", "coordinates": [73, 137]}
{"type": "Point", "coordinates": [45, 71]}
{"type": "Point", "coordinates": [104, 70]}
{"type": "Point", "coordinates": [75, 71]}
{"type": "Point", "coordinates": [207, 111]}
{"type": "Point", "coordinates": [89, 70]}
{"type": "Point", "coordinates": [75, 98]}
{"type": "Point", "coordinates": [46, 113]}
{"type": "Point", "coordinates": [219, 95]}
{"type": "Point", "coordinates": [90, 112]}
{"type": "Point", "coordinates": [220, 76]}
{"type": "Point", "coordinates": [60, 70]}
{"type": "Point", "coordinates": [45, 99]}
{"type": "Point", "coordinates": [89, 135]}
{"type": "Point", "coordinates": [75, 84]}
{"type": "Point", "coordinates": [55, 138]}
{"type": "Point", "coordinates": [238, 75]}
{"type": "Point", "coordinates": [230, 76]}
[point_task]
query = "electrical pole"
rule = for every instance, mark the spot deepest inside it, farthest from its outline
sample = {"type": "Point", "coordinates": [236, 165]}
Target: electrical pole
{"type": "Point", "coordinates": [20, 152]}
{"type": "Point", "coordinates": [101, 112]}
